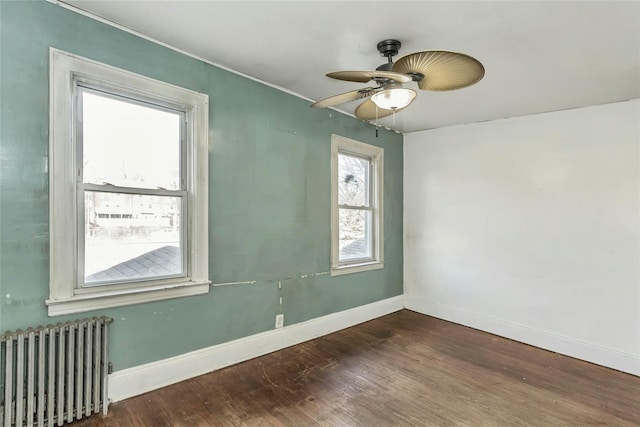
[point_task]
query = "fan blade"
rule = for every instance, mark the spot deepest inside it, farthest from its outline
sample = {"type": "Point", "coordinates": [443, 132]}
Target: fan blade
{"type": "Point", "coordinates": [442, 70]}
{"type": "Point", "coordinates": [345, 97]}
{"type": "Point", "coordinates": [367, 111]}
{"type": "Point", "coordinates": [365, 76]}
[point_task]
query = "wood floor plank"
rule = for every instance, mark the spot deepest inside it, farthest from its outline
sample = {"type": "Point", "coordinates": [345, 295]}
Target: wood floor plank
{"type": "Point", "coordinates": [404, 369]}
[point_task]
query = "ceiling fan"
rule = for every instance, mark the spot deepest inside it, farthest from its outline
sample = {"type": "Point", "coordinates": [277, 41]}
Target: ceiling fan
{"type": "Point", "coordinates": [437, 70]}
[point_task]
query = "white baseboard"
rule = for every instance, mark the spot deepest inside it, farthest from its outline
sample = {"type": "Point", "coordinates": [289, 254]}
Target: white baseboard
{"type": "Point", "coordinates": [141, 379]}
{"type": "Point", "coordinates": [625, 362]}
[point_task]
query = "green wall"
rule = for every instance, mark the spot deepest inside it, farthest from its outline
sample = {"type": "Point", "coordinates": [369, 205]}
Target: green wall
{"type": "Point", "coordinates": [269, 163]}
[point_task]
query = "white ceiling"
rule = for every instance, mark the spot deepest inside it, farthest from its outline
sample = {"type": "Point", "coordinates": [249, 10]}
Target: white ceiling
{"type": "Point", "coordinates": [538, 56]}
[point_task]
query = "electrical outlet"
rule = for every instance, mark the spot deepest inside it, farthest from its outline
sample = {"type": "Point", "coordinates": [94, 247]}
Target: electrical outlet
{"type": "Point", "coordinates": [279, 320]}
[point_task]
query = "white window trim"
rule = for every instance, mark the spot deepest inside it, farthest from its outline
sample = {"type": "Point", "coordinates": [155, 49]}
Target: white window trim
{"type": "Point", "coordinates": [64, 296]}
{"type": "Point", "coordinates": [376, 154]}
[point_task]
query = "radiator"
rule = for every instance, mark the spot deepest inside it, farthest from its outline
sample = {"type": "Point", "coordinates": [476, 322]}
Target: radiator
{"type": "Point", "coordinates": [55, 374]}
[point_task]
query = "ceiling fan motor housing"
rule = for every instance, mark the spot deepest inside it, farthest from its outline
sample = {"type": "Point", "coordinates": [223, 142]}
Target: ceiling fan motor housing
{"type": "Point", "coordinates": [389, 48]}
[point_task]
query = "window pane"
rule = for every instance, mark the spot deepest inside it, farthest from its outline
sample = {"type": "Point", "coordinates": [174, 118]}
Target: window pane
{"type": "Point", "coordinates": [131, 237]}
{"type": "Point", "coordinates": [129, 145]}
{"type": "Point", "coordinates": [355, 234]}
{"type": "Point", "coordinates": [353, 180]}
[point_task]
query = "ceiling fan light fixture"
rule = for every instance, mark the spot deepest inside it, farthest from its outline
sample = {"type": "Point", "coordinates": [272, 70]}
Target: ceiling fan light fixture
{"type": "Point", "coordinates": [393, 99]}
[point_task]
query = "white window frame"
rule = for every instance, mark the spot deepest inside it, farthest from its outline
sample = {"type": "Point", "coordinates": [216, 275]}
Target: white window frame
{"type": "Point", "coordinates": [65, 294]}
{"type": "Point", "coordinates": [375, 155]}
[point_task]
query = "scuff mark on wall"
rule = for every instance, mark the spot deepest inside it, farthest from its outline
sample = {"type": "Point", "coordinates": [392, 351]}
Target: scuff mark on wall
{"type": "Point", "coordinates": [251, 282]}
{"type": "Point", "coordinates": [235, 283]}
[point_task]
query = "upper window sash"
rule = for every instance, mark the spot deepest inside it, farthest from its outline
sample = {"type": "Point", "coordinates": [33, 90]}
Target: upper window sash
{"type": "Point", "coordinates": [370, 183]}
{"type": "Point", "coordinates": [82, 85]}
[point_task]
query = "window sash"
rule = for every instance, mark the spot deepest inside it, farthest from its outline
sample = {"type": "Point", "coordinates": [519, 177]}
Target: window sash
{"type": "Point", "coordinates": [82, 187]}
{"type": "Point", "coordinates": [81, 85]}
{"type": "Point", "coordinates": [81, 244]}
{"type": "Point", "coordinates": [369, 177]}
{"type": "Point", "coordinates": [370, 230]}
{"type": "Point", "coordinates": [374, 209]}
{"type": "Point", "coordinates": [369, 236]}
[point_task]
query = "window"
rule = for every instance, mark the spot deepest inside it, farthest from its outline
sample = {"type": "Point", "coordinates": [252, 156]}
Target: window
{"type": "Point", "coordinates": [356, 206]}
{"type": "Point", "coordinates": [128, 188]}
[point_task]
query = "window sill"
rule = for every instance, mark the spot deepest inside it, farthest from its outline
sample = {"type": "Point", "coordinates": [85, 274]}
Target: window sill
{"type": "Point", "coordinates": [117, 298]}
{"type": "Point", "coordinates": [356, 268]}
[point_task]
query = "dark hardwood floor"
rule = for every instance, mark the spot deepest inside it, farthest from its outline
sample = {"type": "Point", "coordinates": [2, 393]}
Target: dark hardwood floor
{"type": "Point", "coordinates": [404, 369]}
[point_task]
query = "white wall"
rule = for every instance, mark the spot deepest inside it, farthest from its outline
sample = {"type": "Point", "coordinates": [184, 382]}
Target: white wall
{"type": "Point", "coordinates": [529, 228]}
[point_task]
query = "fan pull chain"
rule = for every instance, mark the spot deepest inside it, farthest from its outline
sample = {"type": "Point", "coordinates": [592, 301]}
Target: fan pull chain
{"type": "Point", "coordinates": [376, 120]}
